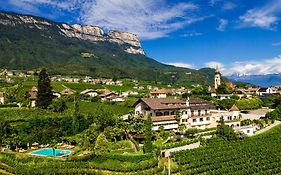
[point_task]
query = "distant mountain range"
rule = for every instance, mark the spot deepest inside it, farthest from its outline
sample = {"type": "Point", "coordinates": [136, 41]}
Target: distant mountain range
{"type": "Point", "coordinates": [28, 42]}
{"type": "Point", "coordinates": [259, 80]}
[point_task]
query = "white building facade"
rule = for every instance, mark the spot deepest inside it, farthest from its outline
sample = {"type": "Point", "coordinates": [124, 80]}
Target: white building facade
{"type": "Point", "coordinates": [170, 113]}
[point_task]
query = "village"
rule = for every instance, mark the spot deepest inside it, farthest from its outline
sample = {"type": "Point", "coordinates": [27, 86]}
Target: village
{"type": "Point", "coordinates": [164, 103]}
{"type": "Point", "coordinates": [126, 116]}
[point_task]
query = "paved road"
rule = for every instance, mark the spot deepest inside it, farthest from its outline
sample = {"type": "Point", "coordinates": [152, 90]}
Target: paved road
{"type": "Point", "coordinates": [267, 128]}
{"type": "Point", "coordinates": [181, 148]}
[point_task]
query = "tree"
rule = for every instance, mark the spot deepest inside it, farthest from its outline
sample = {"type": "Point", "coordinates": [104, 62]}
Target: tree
{"type": "Point", "coordinates": [6, 132]}
{"type": "Point", "coordinates": [148, 147]}
{"type": "Point", "coordinates": [223, 89]}
{"type": "Point", "coordinates": [199, 90]}
{"type": "Point", "coordinates": [101, 145]}
{"type": "Point", "coordinates": [246, 122]}
{"type": "Point", "coordinates": [190, 133]}
{"type": "Point", "coordinates": [224, 131]}
{"type": "Point", "coordinates": [45, 95]}
{"type": "Point", "coordinates": [226, 103]}
{"type": "Point", "coordinates": [58, 105]}
{"type": "Point", "coordinates": [178, 116]}
{"type": "Point", "coordinates": [162, 132]}
{"type": "Point", "coordinates": [79, 122]}
{"type": "Point", "coordinates": [274, 115]}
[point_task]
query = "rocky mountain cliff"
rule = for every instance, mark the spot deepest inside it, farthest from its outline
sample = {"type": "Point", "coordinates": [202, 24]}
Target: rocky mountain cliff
{"type": "Point", "coordinates": [130, 41]}
{"type": "Point", "coordinates": [29, 42]}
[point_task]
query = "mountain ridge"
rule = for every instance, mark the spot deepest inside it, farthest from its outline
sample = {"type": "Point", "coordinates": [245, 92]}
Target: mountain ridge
{"type": "Point", "coordinates": [29, 42]}
{"type": "Point", "coordinates": [86, 32]}
{"type": "Point", "coordinates": [267, 80]}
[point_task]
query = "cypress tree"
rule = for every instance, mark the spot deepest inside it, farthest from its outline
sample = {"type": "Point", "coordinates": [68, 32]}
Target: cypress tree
{"type": "Point", "coordinates": [45, 94]}
{"type": "Point", "coordinates": [76, 118]}
{"type": "Point", "coordinates": [148, 147]}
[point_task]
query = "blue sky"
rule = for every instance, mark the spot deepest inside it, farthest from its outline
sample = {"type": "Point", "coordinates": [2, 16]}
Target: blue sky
{"type": "Point", "coordinates": [239, 36]}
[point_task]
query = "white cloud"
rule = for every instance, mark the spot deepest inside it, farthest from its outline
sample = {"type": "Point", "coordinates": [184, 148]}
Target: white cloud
{"type": "Point", "coordinates": [191, 34]}
{"type": "Point", "coordinates": [66, 5]}
{"type": "Point", "coordinates": [214, 65]}
{"type": "Point", "coordinates": [228, 6]}
{"type": "Point", "coordinates": [268, 66]}
{"type": "Point", "coordinates": [222, 24]}
{"type": "Point", "coordinates": [184, 65]}
{"type": "Point", "coordinates": [33, 6]}
{"type": "Point", "coordinates": [27, 7]}
{"type": "Point", "coordinates": [265, 17]}
{"type": "Point", "coordinates": [213, 2]}
{"type": "Point", "coordinates": [147, 18]}
{"type": "Point", "coordinates": [276, 44]}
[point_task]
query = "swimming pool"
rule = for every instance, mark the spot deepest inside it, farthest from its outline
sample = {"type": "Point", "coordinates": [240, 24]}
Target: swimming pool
{"type": "Point", "coordinates": [51, 152]}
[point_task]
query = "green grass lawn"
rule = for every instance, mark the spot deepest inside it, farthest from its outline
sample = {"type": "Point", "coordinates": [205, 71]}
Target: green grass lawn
{"type": "Point", "coordinates": [79, 87]}
{"type": "Point", "coordinates": [94, 108]}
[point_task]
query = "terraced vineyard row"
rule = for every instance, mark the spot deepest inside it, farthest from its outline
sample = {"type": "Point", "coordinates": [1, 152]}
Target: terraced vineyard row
{"type": "Point", "coordinates": [256, 155]}
{"type": "Point", "coordinates": [22, 164]}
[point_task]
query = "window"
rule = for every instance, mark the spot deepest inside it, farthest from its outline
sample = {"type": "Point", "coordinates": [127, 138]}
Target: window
{"type": "Point", "coordinates": [199, 112]}
{"type": "Point", "coordinates": [184, 120]}
{"type": "Point", "coordinates": [192, 113]}
{"type": "Point", "coordinates": [248, 131]}
{"type": "Point", "coordinates": [166, 113]}
{"type": "Point", "coordinates": [159, 114]}
{"type": "Point", "coordinates": [206, 111]}
{"type": "Point", "coordinates": [201, 119]}
{"type": "Point", "coordinates": [173, 113]}
{"type": "Point", "coordinates": [208, 118]}
{"type": "Point", "coordinates": [194, 120]}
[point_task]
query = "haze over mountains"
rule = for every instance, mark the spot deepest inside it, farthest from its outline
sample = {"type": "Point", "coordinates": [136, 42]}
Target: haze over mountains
{"type": "Point", "coordinates": [28, 42]}
{"type": "Point", "coordinates": [259, 80]}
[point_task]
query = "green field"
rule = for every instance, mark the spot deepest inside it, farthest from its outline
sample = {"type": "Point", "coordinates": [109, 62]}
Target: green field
{"type": "Point", "coordinates": [95, 107]}
{"type": "Point", "coordinates": [255, 155]}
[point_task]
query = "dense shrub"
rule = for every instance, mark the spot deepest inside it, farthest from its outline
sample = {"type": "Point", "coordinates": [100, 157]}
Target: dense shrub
{"type": "Point", "coordinates": [8, 105]}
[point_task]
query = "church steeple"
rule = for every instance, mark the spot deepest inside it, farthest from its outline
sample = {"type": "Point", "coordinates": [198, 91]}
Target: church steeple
{"type": "Point", "coordinates": [217, 78]}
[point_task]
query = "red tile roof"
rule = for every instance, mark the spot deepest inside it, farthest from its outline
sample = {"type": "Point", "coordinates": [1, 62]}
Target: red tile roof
{"type": "Point", "coordinates": [176, 104]}
{"type": "Point", "coordinates": [234, 108]}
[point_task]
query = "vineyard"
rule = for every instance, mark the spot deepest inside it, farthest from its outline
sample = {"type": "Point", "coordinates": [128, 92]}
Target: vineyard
{"type": "Point", "coordinates": [257, 155]}
{"type": "Point", "coordinates": [122, 164]}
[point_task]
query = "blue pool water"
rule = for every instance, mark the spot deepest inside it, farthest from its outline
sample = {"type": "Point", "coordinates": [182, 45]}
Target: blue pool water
{"type": "Point", "coordinates": [49, 152]}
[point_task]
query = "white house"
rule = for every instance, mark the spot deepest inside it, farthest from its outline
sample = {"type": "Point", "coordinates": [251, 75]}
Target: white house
{"type": "Point", "coordinates": [57, 94]}
{"type": "Point", "coordinates": [117, 99]}
{"type": "Point", "coordinates": [111, 96]}
{"type": "Point", "coordinates": [161, 93]}
{"type": "Point", "coordinates": [223, 96]}
{"type": "Point", "coordinates": [67, 92]}
{"type": "Point", "coordinates": [169, 112]}
{"type": "Point", "coordinates": [90, 92]}
{"type": "Point", "coordinates": [266, 91]}
{"type": "Point", "coordinates": [2, 98]}
{"type": "Point", "coordinates": [127, 93]}
{"type": "Point", "coordinates": [33, 96]}
{"type": "Point", "coordinates": [248, 130]}
{"type": "Point", "coordinates": [231, 117]}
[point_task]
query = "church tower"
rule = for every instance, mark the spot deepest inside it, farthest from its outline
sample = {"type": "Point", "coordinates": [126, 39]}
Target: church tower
{"type": "Point", "coordinates": [217, 78]}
